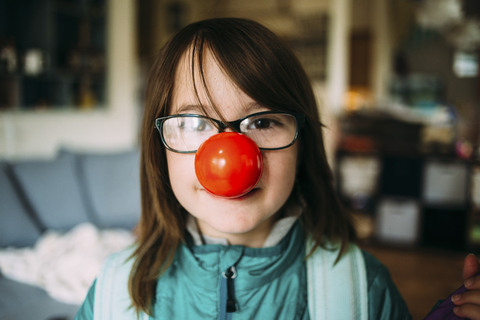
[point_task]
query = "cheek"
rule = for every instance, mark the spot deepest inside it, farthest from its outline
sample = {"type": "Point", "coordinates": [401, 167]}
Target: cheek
{"type": "Point", "coordinates": [280, 168]}
{"type": "Point", "coordinates": [181, 172]}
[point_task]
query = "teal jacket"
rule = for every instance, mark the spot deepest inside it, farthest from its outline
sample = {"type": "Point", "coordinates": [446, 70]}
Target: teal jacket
{"type": "Point", "coordinates": [270, 284]}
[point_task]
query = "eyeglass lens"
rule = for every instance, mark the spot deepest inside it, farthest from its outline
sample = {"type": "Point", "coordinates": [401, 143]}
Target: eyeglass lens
{"type": "Point", "coordinates": [269, 131]}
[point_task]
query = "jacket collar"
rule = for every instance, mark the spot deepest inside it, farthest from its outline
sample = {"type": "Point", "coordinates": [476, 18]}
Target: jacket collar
{"type": "Point", "coordinates": [255, 266]}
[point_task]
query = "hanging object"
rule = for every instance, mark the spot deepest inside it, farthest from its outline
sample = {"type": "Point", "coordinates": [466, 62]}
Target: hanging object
{"type": "Point", "coordinates": [439, 14]}
{"type": "Point", "coordinates": [465, 36]}
{"type": "Point", "coordinates": [448, 18]}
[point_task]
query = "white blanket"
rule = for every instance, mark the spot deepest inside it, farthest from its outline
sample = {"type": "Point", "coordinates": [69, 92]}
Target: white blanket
{"type": "Point", "coordinates": [64, 264]}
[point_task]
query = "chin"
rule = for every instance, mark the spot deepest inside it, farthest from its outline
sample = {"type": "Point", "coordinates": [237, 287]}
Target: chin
{"type": "Point", "coordinates": [235, 226]}
{"type": "Point", "coordinates": [238, 223]}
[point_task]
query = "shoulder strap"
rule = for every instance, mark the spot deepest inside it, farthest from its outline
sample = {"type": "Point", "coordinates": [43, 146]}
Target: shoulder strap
{"type": "Point", "coordinates": [112, 301]}
{"type": "Point", "coordinates": [337, 291]}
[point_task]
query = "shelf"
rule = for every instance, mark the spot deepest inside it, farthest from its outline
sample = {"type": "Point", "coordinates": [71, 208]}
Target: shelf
{"type": "Point", "coordinates": [57, 52]}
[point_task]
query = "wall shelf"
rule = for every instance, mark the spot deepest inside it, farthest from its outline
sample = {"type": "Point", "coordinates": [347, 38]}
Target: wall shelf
{"type": "Point", "coordinates": [52, 54]}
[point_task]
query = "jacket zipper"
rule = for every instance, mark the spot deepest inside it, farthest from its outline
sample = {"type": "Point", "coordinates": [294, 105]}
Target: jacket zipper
{"type": "Point", "coordinates": [227, 292]}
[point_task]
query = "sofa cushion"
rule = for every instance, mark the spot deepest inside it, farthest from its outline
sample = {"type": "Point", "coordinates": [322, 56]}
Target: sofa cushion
{"type": "Point", "coordinates": [17, 229]}
{"type": "Point", "coordinates": [53, 190]}
{"type": "Point", "coordinates": [112, 185]}
{"type": "Point", "coordinates": [20, 301]}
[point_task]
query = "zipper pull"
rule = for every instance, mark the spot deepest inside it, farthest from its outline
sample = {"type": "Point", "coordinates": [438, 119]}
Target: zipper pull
{"type": "Point", "coordinates": [230, 275]}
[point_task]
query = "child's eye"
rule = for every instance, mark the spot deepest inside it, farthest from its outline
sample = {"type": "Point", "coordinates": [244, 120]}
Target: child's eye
{"type": "Point", "coordinates": [202, 125]}
{"type": "Point", "coordinates": [260, 124]}
{"type": "Point", "coordinates": [194, 124]}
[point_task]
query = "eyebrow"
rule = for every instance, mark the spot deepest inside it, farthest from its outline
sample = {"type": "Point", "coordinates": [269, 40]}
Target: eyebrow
{"type": "Point", "coordinates": [189, 107]}
{"type": "Point", "coordinates": [252, 106]}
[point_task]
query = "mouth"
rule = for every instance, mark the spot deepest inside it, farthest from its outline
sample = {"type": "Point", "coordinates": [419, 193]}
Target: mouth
{"type": "Point", "coordinates": [246, 196]}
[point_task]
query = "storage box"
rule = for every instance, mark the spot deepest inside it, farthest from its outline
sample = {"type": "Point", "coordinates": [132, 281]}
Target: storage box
{"type": "Point", "coordinates": [398, 220]}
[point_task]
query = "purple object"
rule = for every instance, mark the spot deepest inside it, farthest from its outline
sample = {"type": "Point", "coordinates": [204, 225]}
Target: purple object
{"type": "Point", "coordinates": [445, 310]}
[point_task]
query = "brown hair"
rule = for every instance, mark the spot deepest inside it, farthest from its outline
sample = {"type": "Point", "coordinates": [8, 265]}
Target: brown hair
{"type": "Point", "coordinates": [258, 62]}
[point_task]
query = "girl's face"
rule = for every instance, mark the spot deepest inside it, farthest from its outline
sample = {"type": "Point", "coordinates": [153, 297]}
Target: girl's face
{"type": "Point", "coordinates": [246, 220]}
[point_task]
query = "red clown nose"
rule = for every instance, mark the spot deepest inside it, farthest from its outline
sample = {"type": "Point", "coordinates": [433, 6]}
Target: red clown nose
{"type": "Point", "coordinates": [228, 164]}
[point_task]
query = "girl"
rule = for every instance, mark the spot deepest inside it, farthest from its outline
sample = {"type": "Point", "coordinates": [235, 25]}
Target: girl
{"type": "Point", "coordinates": [283, 249]}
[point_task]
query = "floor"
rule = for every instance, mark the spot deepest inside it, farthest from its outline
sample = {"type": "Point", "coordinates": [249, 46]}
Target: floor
{"type": "Point", "coordinates": [422, 276]}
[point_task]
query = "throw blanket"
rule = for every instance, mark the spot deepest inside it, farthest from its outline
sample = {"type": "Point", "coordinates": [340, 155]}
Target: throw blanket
{"type": "Point", "coordinates": [64, 264]}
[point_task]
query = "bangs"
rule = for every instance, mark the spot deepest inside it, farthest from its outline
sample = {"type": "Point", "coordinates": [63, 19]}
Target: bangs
{"type": "Point", "coordinates": [256, 62]}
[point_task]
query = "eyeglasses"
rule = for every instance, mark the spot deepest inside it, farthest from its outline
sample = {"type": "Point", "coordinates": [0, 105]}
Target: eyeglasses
{"type": "Point", "coordinates": [271, 130]}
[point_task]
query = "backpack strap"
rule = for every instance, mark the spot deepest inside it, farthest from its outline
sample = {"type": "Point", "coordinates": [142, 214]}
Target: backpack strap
{"type": "Point", "coordinates": [337, 291]}
{"type": "Point", "coordinates": [112, 300]}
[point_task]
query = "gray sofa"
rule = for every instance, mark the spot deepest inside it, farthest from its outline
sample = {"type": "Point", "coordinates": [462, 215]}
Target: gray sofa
{"type": "Point", "coordinates": [59, 194]}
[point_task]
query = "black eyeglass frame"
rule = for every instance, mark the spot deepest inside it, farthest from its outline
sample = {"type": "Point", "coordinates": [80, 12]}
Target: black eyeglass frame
{"type": "Point", "coordinates": [299, 119]}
